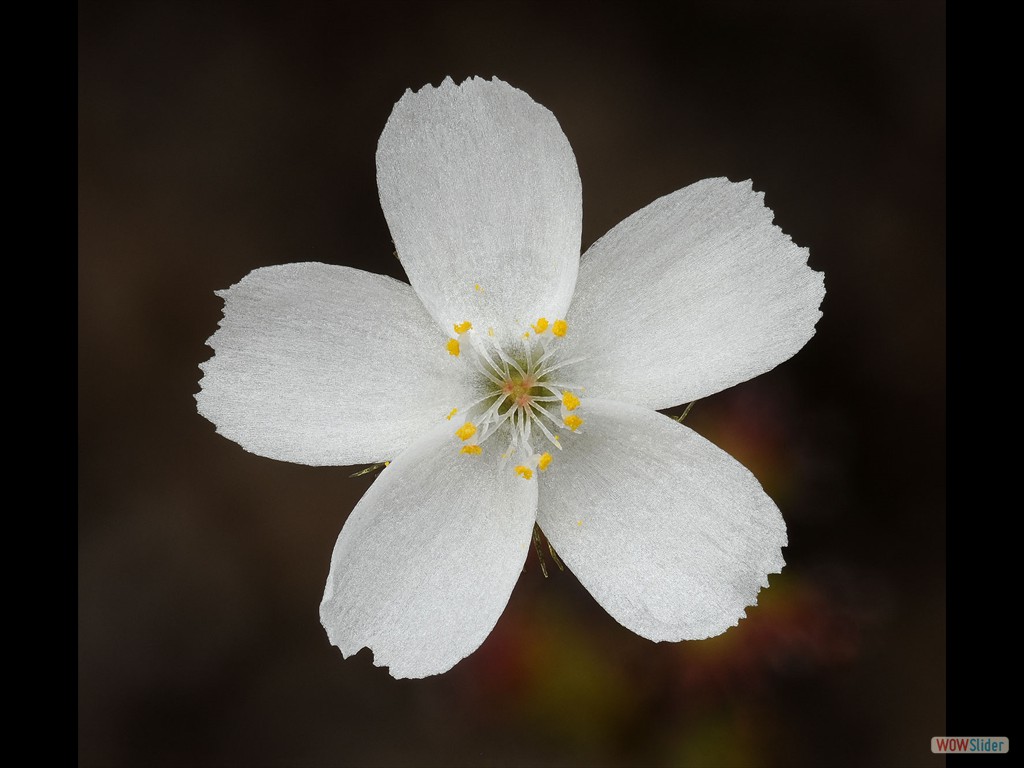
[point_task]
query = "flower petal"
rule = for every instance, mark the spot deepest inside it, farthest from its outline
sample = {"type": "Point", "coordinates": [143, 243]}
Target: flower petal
{"type": "Point", "coordinates": [428, 558]}
{"type": "Point", "coordinates": [689, 296]}
{"type": "Point", "coordinates": [670, 534]}
{"type": "Point", "coordinates": [321, 364]}
{"type": "Point", "coordinates": [481, 191]}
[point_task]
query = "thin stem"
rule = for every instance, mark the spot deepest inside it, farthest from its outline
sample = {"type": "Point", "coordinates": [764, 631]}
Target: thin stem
{"type": "Point", "coordinates": [554, 556]}
{"type": "Point", "coordinates": [685, 413]}
{"type": "Point", "coordinates": [537, 549]}
{"type": "Point", "coordinates": [369, 469]}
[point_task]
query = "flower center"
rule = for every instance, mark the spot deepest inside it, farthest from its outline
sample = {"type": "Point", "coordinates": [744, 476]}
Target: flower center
{"type": "Point", "coordinates": [523, 398]}
{"type": "Point", "coordinates": [519, 391]}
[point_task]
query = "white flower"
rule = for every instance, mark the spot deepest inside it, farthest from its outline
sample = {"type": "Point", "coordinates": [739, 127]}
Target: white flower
{"type": "Point", "coordinates": [515, 381]}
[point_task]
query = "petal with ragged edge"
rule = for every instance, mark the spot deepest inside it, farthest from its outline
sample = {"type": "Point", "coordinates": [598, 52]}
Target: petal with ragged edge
{"type": "Point", "coordinates": [426, 562]}
{"type": "Point", "coordinates": [669, 533]}
{"type": "Point", "coordinates": [326, 365]}
{"type": "Point", "coordinates": [690, 295]}
{"type": "Point", "coordinates": [481, 192]}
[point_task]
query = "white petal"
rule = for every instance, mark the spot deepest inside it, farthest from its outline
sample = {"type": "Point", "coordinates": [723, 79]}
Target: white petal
{"type": "Point", "coordinates": [480, 188]}
{"type": "Point", "coordinates": [690, 295]}
{"type": "Point", "coordinates": [428, 558]}
{"type": "Point", "coordinates": [321, 364]}
{"type": "Point", "coordinates": [669, 533]}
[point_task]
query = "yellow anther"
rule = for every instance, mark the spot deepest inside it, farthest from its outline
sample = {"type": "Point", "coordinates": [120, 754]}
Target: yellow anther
{"type": "Point", "coordinates": [570, 401]}
{"type": "Point", "coordinates": [541, 325]}
{"type": "Point", "coordinates": [467, 430]}
{"type": "Point", "coordinates": [543, 461]}
{"type": "Point", "coordinates": [453, 347]}
{"type": "Point", "coordinates": [490, 331]}
{"type": "Point", "coordinates": [472, 450]}
{"type": "Point", "coordinates": [560, 327]}
{"type": "Point", "coordinates": [387, 463]}
{"type": "Point", "coordinates": [477, 287]}
{"type": "Point", "coordinates": [524, 472]}
{"type": "Point", "coordinates": [463, 326]}
{"type": "Point", "coordinates": [573, 422]}
{"type": "Point", "coordinates": [454, 411]}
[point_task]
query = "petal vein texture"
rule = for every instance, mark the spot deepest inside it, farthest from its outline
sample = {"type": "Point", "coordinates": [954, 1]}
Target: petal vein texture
{"type": "Point", "coordinates": [690, 295]}
{"type": "Point", "coordinates": [427, 560]}
{"type": "Point", "coordinates": [326, 365]}
{"type": "Point", "coordinates": [669, 533]}
{"type": "Point", "coordinates": [479, 187]}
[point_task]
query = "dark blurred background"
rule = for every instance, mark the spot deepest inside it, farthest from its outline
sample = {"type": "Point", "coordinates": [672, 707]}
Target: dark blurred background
{"type": "Point", "coordinates": [215, 138]}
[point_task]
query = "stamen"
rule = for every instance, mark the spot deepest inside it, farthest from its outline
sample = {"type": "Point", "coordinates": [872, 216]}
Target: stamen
{"type": "Point", "coordinates": [489, 413]}
{"type": "Point", "coordinates": [530, 368]}
{"type": "Point", "coordinates": [544, 412]}
{"type": "Point", "coordinates": [509, 361]}
{"type": "Point", "coordinates": [478, 345]}
{"type": "Point", "coordinates": [562, 364]}
{"type": "Point", "coordinates": [540, 424]}
{"type": "Point", "coordinates": [517, 427]}
{"type": "Point", "coordinates": [573, 422]}
{"type": "Point", "coordinates": [487, 374]}
{"type": "Point", "coordinates": [517, 380]}
{"type": "Point", "coordinates": [479, 400]}
{"type": "Point", "coordinates": [556, 386]}
{"type": "Point", "coordinates": [504, 417]}
{"type": "Point", "coordinates": [544, 358]}
{"type": "Point", "coordinates": [510, 451]}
